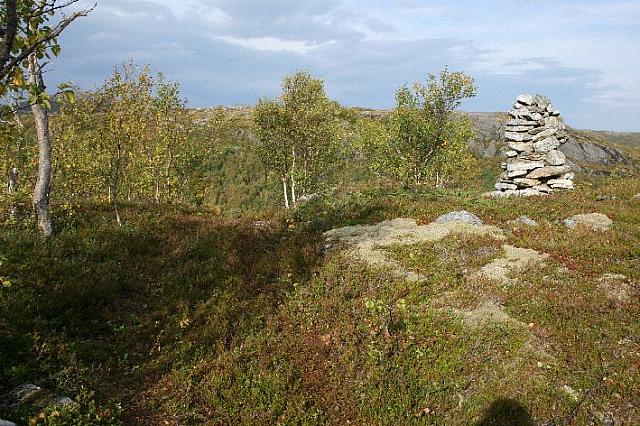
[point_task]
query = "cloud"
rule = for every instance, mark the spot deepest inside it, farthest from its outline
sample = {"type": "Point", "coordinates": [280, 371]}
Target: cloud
{"type": "Point", "coordinates": [273, 44]}
{"type": "Point", "coordinates": [583, 55]}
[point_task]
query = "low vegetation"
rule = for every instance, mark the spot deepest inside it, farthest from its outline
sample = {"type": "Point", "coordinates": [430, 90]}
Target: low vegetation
{"type": "Point", "coordinates": [184, 315]}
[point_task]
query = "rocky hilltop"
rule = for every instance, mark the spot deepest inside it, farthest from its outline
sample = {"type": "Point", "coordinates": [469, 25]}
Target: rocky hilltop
{"type": "Point", "coordinates": [588, 151]}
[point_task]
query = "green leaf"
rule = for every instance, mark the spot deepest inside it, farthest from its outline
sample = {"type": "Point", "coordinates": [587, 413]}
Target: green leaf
{"type": "Point", "coordinates": [70, 96]}
{"type": "Point", "coordinates": [55, 49]}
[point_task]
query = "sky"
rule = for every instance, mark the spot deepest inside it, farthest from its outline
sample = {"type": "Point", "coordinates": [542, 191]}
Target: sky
{"type": "Point", "coordinates": [584, 55]}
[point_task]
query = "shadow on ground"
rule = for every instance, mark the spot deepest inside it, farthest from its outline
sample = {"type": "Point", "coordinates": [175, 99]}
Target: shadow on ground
{"type": "Point", "coordinates": [506, 412]}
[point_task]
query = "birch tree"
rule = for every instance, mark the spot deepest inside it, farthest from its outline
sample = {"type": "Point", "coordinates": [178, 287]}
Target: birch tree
{"type": "Point", "coordinates": [424, 139]}
{"type": "Point", "coordinates": [298, 134]}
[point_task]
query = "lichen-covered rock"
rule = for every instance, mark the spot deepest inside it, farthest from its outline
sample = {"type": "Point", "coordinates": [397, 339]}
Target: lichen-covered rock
{"type": "Point", "coordinates": [526, 220]}
{"type": "Point", "coordinates": [594, 221]}
{"type": "Point", "coordinates": [460, 216]}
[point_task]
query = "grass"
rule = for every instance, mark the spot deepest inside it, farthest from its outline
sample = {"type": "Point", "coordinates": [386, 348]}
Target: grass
{"type": "Point", "coordinates": [187, 317]}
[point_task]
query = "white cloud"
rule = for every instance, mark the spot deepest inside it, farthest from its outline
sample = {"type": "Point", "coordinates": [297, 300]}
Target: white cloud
{"type": "Point", "coordinates": [274, 44]}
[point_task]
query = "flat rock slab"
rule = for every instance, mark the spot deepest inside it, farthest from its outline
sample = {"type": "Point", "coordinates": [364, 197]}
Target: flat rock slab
{"type": "Point", "coordinates": [593, 221]}
{"type": "Point", "coordinates": [367, 242]}
{"type": "Point", "coordinates": [515, 259]}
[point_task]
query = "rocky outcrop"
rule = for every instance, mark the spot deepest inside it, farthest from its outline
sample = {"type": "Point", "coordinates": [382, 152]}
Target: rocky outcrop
{"type": "Point", "coordinates": [533, 163]}
{"type": "Point", "coordinates": [587, 152]}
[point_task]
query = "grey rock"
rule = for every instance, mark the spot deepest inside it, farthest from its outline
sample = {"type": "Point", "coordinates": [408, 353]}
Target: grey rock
{"type": "Point", "coordinates": [520, 146]}
{"type": "Point", "coordinates": [560, 183]}
{"type": "Point", "coordinates": [309, 197]}
{"type": "Point", "coordinates": [519, 129]}
{"type": "Point", "coordinates": [556, 158]}
{"type": "Point", "coordinates": [538, 129]}
{"type": "Point", "coordinates": [524, 165]}
{"type": "Point", "coordinates": [517, 137]}
{"type": "Point", "coordinates": [23, 394]}
{"type": "Point", "coordinates": [554, 122]}
{"type": "Point", "coordinates": [545, 134]}
{"type": "Point", "coordinates": [530, 192]}
{"type": "Point", "coordinates": [525, 99]}
{"type": "Point", "coordinates": [543, 188]}
{"type": "Point", "coordinates": [521, 122]}
{"type": "Point", "coordinates": [516, 173]}
{"type": "Point", "coordinates": [526, 220]}
{"type": "Point", "coordinates": [65, 401]}
{"type": "Point", "coordinates": [526, 183]}
{"type": "Point", "coordinates": [587, 152]}
{"type": "Point", "coordinates": [525, 113]}
{"type": "Point", "coordinates": [504, 186]}
{"type": "Point", "coordinates": [546, 145]}
{"type": "Point", "coordinates": [548, 171]}
{"type": "Point", "coordinates": [594, 221]}
{"type": "Point", "coordinates": [6, 423]}
{"type": "Point", "coordinates": [511, 154]}
{"type": "Point", "coordinates": [460, 216]}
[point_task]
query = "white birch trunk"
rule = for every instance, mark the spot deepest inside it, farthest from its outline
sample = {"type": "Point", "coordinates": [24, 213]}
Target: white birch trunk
{"type": "Point", "coordinates": [43, 183]}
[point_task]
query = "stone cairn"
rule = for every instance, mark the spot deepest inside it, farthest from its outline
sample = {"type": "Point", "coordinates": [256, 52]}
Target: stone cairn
{"type": "Point", "coordinates": [534, 165]}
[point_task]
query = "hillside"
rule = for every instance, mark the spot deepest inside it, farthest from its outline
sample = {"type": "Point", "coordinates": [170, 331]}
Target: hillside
{"type": "Point", "coordinates": [590, 151]}
{"type": "Point", "coordinates": [188, 317]}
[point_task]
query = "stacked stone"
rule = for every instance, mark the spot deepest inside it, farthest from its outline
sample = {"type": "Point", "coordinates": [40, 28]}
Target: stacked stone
{"type": "Point", "coordinates": [534, 165]}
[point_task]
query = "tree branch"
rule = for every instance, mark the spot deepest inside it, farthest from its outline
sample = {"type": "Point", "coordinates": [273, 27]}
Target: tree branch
{"type": "Point", "coordinates": [11, 63]}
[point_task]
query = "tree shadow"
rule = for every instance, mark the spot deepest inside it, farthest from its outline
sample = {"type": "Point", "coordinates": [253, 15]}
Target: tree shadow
{"type": "Point", "coordinates": [506, 412]}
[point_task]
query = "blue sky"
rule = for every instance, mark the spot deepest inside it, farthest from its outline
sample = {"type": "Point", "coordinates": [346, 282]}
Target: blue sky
{"type": "Point", "coordinates": [584, 55]}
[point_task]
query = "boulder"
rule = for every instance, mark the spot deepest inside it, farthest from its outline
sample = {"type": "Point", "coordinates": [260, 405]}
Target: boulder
{"type": "Point", "coordinates": [548, 171]}
{"type": "Point", "coordinates": [460, 216]}
{"type": "Point", "coordinates": [6, 423]}
{"type": "Point", "coordinates": [594, 221]}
